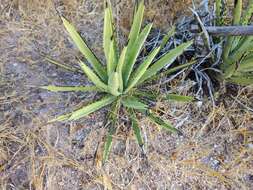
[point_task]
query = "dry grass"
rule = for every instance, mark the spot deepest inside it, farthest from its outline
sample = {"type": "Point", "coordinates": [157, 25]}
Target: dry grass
{"type": "Point", "coordinates": [216, 152]}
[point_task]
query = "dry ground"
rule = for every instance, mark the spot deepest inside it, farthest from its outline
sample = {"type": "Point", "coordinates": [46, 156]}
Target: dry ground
{"type": "Point", "coordinates": [215, 154]}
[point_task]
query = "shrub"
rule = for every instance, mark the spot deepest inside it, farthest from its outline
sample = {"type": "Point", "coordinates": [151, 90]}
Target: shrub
{"type": "Point", "coordinates": [119, 81]}
{"type": "Point", "coordinates": [237, 56]}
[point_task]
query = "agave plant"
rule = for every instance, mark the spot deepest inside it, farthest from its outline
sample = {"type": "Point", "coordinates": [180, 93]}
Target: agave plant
{"type": "Point", "coordinates": [119, 81]}
{"type": "Point", "coordinates": [237, 56]}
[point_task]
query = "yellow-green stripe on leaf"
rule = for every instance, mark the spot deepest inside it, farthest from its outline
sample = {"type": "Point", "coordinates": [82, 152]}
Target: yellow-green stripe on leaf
{"type": "Point", "coordinates": [91, 108]}
{"type": "Point", "coordinates": [92, 76]}
{"type": "Point", "coordinates": [85, 50]}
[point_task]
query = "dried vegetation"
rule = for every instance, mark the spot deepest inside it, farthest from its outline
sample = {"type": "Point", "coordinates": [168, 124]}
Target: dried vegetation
{"type": "Point", "coordinates": [215, 153]}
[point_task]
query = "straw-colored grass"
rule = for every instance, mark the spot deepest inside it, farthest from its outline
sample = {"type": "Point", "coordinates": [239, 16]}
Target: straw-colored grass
{"type": "Point", "coordinates": [216, 152]}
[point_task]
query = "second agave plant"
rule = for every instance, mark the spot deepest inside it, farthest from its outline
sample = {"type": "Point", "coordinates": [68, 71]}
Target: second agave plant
{"type": "Point", "coordinates": [119, 80]}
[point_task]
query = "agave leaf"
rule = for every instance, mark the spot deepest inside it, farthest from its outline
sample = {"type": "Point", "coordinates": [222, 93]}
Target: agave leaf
{"type": "Point", "coordinates": [246, 65]}
{"type": "Point", "coordinates": [134, 52]}
{"type": "Point", "coordinates": [133, 102]}
{"type": "Point", "coordinates": [171, 70]}
{"type": "Point", "coordinates": [231, 40]}
{"type": "Point", "coordinates": [167, 37]}
{"type": "Point", "coordinates": [86, 110]}
{"type": "Point", "coordinates": [139, 72]}
{"type": "Point", "coordinates": [120, 68]}
{"type": "Point", "coordinates": [92, 76]}
{"type": "Point", "coordinates": [112, 119]}
{"type": "Point", "coordinates": [237, 13]}
{"type": "Point", "coordinates": [85, 50]}
{"type": "Point", "coordinates": [245, 45]}
{"type": "Point", "coordinates": [63, 117]}
{"type": "Point", "coordinates": [62, 65]}
{"type": "Point", "coordinates": [241, 80]}
{"type": "Point", "coordinates": [162, 123]}
{"type": "Point", "coordinates": [167, 59]}
{"type": "Point", "coordinates": [179, 98]}
{"type": "Point", "coordinates": [108, 143]}
{"type": "Point", "coordinates": [108, 30]}
{"type": "Point", "coordinates": [136, 25]}
{"type": "Point", "coordinates": [218, 12]}
{"type": "Point", "coordinates": [113, 84]}
{"type": "Point", "coordinates": [136, 129]}
{"type": "Point", "coordinates": [248, 13]}
{"type": "Point", "coordinates": [147, 94]}
{"type": "Point", "coordinates": [71, 88]}
{"type": "Point", "coordinates": [229, 71]}
{"type": "Point", "coordinates": [111, 62]}
{"type": "Point", "coordinates": [227, 48]}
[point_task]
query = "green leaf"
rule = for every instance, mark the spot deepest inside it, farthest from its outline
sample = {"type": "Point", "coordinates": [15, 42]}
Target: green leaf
{"type": "Point", "coordinates": [153, 95]}
{"type": "Point", "coordinates": [112, 119]}
{"type": "Point", "coordinates": [241, 80]}
{"type": "Point", "coordinates": [111, 62]}
{"type": "Point", "coordinates": [71, 88]}
{"type": "Point", "coordinates": [237, 13]}
{"type": "Point", "coordinates": [168, 71]}
{"type": "Point", "coordinates": [136, 25]}
{"type": "Point", "coordinates": [113, 84]}
{"type": "Point", "coordinates": [61, 118]}
{"type": "Point", "coordinates": [231, 40]}
{"type": "Point", "coordinates": [229, 71]}
{"type": "Point", "coordinates": [162, 123]}
{"type": "Point", "coordinates": [86, 110]}
{"type": "Point", "coordinates": [134, 52]}
{"type": "Point", "coordinates": [61, 65]}
{"type": "Point", "coordinates": [218, 12]}
{"type": "Point", "coordinates": [136, 129]}
{"type": "Point", "coordinates": [179, 98]}
{"type": "Point", "coordinates": [167, 59]}
{"type": "Point", "coordinates": [120, 68]}
{"type": "Point", "coordinates": [167, 37]}
{"type": "Point", "coordinates": [133, 102]}
{"type": "Point", "coordinates": [246, 65]}
{"type": "Point", "coordinates": [244, 46]}
{"type": "Point", "coordinates": [248, 13]}
{"type": "Point", "coordinates": [226, 49]}
{"type": "Point", "coordinates": [108, 30]}
{"type": "Point", "coordinates": [139, 72]}
{"type": "Point", "coordinates": [108, 143]}
{"type": "Point", "coordinates": [92, 76]}
{"type": "Point", "coordinates": [85, 50]}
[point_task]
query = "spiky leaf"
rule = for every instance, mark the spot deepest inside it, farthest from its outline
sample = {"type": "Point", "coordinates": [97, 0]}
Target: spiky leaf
{"type": "Point", "coordinates": [248, 13]}
{"type": "Point", "coordinates": [133, 102]}
{"type": "Point", "coordinates": [139, 72]}
{"type": "Point", "coordinates": [136, 129]}
{"type": "Point", "coordinates": [85, 50]}
{"type": "Point", "coordinates": [71, 88]}
{"type": "Point", "coordinates": [113, 84]}
{"type": "Point", "coordinates": [108, 143]}
{"type": "Point", "coordinates": [86, 110]}
{"type": "Point", "coordinates": [92, 76]}
{"type": "Point", "coordinates": [134, 52]}
{"type": "Point", "coordinates": [108, 30]}
{"type": "Point", "coordinates": [167, 37]}
{"type": "Point", "coordinates": [111, 62]}
{"type": "Point", "coordinates": [244, 46]}
{"type": "Point", "coordinates": [167, 59]}
{"type": "Point", "coordinates": [62, 65]}
{"type": "Point", "coordinates": [120, 68]}
{"type": "Point", "coordinates": [162, 123]}
{"type": "Point", "coordinates": [136, 25]}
